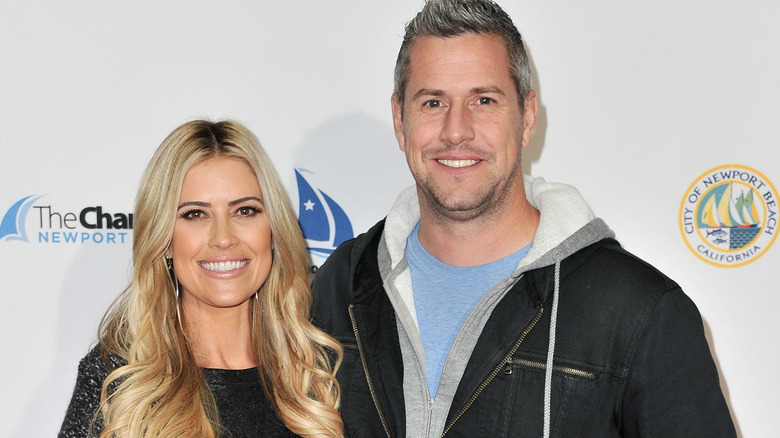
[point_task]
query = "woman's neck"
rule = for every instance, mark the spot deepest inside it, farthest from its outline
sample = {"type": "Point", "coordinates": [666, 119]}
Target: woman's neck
{"type": "Point", "coordinates": [220, 338]}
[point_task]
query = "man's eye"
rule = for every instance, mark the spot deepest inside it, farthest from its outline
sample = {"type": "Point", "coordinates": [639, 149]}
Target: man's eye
{"type": "Point", "coordinates": [432, 104]}
{"type": "Point", "coordinates": [485, 101]}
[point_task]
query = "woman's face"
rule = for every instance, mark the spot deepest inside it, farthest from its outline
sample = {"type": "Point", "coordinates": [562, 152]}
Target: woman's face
{"type": "Point", "coordinates": [221, 245]}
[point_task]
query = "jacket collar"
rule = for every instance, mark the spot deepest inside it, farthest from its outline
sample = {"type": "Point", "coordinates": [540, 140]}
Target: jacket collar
{"type": "Point", "coordinates": [562, 230]}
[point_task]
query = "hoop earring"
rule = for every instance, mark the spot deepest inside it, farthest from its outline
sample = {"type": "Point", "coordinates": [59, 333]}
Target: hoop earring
{"type": "Point", "coordinates": [257, 298]}
{"type": "Point", "coordinates": [169, 263]}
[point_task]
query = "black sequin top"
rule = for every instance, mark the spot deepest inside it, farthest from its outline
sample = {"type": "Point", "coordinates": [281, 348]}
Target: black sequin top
{"type": "Point", "coordinates": [243, 408]}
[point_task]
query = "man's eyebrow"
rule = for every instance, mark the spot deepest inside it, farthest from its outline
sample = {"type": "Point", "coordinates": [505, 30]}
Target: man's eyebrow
{"type": "Point", "coordinates": [475, 90]}
{"type": "Point", "coordinates": [488, 89]}
{"type": "Point", "coordinates": [427, 92]}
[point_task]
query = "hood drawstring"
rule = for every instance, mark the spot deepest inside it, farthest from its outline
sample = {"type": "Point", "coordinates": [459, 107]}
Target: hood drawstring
{"type": "Point", "coordinates": [551, 350]}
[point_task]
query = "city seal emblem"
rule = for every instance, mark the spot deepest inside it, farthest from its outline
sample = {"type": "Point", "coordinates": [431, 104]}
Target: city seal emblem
{"type": "Point", "coordinates": [729, 215]}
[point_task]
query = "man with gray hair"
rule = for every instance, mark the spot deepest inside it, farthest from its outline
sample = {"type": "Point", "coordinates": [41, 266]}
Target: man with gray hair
{"type": "Point", "coordinates": [487, 303]}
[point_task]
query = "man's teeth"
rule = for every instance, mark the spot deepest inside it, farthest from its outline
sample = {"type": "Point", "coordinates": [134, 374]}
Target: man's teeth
{"type": "Point", "coordinates": [458, 163]}
{"type": "Point", "coordinates": [223, 266]}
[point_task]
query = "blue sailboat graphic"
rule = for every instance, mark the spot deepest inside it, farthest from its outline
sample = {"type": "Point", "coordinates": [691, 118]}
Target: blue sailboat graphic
{"type": "Point", "coordinates": [12, 226]}
{"type": "Point", "coordinates": [324, 223]}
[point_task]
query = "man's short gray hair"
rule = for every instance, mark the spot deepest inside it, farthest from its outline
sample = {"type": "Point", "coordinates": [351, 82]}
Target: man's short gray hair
{"type": "Point", "coordinates": [451, 18]}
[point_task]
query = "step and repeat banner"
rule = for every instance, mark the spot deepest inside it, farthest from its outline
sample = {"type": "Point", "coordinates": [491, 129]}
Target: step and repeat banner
{"type": "Point", "coordinates": [663, 114]}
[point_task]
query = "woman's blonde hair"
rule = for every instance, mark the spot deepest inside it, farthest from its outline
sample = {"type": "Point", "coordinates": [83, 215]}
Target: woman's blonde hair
{"type": "Point", "coordinates": [152, 395]}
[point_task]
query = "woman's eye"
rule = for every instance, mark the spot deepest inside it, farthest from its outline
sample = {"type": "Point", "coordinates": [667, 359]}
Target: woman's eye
{"type": "Point", "coordinates": [193, 214]}
{"type": "Point", "coordinates": [247, 211]}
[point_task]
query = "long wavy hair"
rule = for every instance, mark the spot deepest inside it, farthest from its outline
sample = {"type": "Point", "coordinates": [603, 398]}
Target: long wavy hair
{"type": "Point", "coordinates": [152, 395]}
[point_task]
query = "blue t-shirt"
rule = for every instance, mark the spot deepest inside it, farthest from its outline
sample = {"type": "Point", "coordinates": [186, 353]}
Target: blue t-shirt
{"type": "Point", "coordinates": [444, 296]}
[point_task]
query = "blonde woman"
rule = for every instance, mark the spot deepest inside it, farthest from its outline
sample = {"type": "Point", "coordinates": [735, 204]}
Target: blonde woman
{"type": "Point", "coordinates": [212, 338]}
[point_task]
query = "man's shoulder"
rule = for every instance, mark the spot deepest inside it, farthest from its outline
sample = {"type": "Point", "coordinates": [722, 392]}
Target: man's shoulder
{"type": "Point", "coordinates": [342, 262]}
{"type": "Point", "coordinates": [334, 285]}
{"type": "Point", "coordinates": [609, 296]}
{"type": "Point", "coordinates": [607, 268]}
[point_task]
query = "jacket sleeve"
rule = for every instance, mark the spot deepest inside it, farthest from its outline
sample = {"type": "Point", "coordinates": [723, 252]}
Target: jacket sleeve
{"type": "Point", "coordinates": [80, 419]}
{"type": "Point", "coordinates": [332, 287]}
{"type": "Point", "coordinates": [673, 387]}
{"type": "Point", "coordinates": [331, 293]}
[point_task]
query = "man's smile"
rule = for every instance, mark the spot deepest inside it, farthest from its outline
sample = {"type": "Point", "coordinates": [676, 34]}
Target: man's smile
{"type": "Point", "coordinates": [458, 163]}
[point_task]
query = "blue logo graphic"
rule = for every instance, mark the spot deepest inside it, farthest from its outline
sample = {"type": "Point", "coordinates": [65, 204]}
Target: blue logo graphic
{"type": "Point", "coordinates": [12, 227]}
{"type": "Point", "coordinates": [323, 221]}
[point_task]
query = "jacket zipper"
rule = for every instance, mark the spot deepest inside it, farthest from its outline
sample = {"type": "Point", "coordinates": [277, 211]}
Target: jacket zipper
{"type": "Point", "coordinates": [365, 370]}
{"type": "Point", "coordinates": [543, 366]}
{"type": "Point", "coordinates": [507, 359]}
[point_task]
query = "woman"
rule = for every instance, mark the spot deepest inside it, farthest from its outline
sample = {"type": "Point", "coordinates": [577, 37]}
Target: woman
{"type": "Point", "coordinates": [212, 337]}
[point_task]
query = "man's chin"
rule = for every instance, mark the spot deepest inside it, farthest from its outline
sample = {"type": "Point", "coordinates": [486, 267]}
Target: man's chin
{"type": "Point", "coordinates": [457, 207]}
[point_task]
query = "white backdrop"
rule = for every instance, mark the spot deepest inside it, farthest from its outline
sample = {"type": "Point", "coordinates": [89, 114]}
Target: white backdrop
{"type": "Point", "coordinates": [637, 100]}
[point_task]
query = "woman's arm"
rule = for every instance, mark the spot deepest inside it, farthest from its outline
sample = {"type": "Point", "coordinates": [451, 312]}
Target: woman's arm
{"type": "Point", "coordinates": [80, 419]}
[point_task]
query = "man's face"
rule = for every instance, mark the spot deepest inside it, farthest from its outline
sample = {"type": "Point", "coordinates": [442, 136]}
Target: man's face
{"type": "Point", "coordinates": [461, 126]}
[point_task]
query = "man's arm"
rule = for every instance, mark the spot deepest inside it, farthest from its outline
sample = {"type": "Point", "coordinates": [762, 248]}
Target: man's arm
{"type": "Point", "coordinates": [673, 387]}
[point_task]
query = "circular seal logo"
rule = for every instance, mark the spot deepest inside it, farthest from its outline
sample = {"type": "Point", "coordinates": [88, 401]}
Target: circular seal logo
{"type": "Point", "coordinates": [729, 215]}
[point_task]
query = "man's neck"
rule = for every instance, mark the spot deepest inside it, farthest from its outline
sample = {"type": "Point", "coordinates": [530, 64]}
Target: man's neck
{"type": "Point", "coordinates": [480, 240]}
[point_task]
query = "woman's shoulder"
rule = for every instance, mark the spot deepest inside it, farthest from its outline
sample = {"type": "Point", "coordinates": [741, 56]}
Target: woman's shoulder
{"type": "Point", "coordinates": [97, 363]}
{"type": "Point", "coordinates": [80, 418]}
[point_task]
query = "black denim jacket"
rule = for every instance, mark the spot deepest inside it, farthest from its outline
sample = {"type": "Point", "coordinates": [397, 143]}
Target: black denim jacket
{"type": "Point", "coordinates": [631, 358]}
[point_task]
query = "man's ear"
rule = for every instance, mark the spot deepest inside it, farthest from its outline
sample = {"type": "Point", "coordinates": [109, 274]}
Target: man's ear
{"type": "Point", "coordinates": [529, 118]}
{"type": "Point", "coordinates": [398, 124]}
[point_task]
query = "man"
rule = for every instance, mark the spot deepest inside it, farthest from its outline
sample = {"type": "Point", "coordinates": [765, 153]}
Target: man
{"type": "Point", "coordinates": [486, 304]}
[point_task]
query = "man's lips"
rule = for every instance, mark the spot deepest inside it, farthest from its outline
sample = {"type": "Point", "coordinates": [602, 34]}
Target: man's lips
{"type": "Point", "coordinates": [458, 163]}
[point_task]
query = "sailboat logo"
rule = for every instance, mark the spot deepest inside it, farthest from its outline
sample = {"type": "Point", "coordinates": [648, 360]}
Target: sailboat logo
{"type": "Point", "coordinates": [324, 223]}
{"type": "Point", "coordinates": [12, 226]}
{"type": "Point", "coordinates": [727, 221]}
{"type": "Point", "coordinates": [729, 215]}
